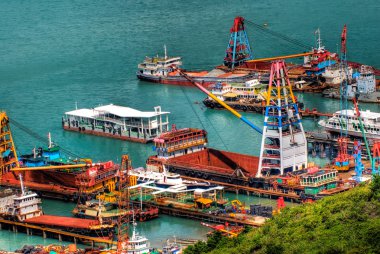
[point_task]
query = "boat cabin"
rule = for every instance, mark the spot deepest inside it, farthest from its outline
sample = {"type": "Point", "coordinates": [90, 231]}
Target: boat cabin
{"type": "Point", "coordinates": [159, 66]}
{"type": "Point", "coordinates": [118, 122]}
{"type": "Point", "coordinates": [180, 142]}
{"type": "Point", "coordinates": [317, 180]}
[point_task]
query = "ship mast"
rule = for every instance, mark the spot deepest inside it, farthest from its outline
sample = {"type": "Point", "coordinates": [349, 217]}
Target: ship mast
{"type": "Point", "coordinates": [123, 202]}
{"type": "Point", "coordinates": [22, 185]}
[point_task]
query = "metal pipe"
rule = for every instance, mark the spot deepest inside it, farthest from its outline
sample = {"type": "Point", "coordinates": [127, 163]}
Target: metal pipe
{"type": "Point", "coordinates": [245, 120]}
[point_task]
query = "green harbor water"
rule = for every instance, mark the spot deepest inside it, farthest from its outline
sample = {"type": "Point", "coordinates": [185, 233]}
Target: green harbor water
{"type": "Point", "coordinates": [54, 54]}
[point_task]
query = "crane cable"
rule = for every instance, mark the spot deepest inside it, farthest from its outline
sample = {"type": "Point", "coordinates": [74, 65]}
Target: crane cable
{"type": "Point", "coordinates": [199, 119]}
{"type": "Point", "coordinates": [279, 35]}
{"type": "Point", "coordinates": [39, 137]}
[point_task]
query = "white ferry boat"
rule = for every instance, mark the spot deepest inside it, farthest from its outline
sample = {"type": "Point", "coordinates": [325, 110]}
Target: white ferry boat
{"type": "Point", "coordinates": [166, 179]}
{"type": "Point", "coordinates": [370, 120]}
{"type": "Point", "coordinates": [118, 122]}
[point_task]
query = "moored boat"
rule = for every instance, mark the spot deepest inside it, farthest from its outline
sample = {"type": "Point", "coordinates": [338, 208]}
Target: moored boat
{"type": "Point", "coordinates": [25, 207]}
{"type": "Point", "coordinates": [109, 212]}
{"type": "Point", "coordinates": [337, 123]}
{"type": "Point", "coordinates": [118, 122]}
{"type": "Point", "coordinates": [164, 70]}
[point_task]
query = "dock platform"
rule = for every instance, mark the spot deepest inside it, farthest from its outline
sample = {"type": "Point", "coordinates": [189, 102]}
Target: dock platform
{"type": "Point", "coordinates": [269, 193]}
{"type": "Point", "coordinates": [193, 214]}
{"type": "Point", "coordinates": [46, 232]}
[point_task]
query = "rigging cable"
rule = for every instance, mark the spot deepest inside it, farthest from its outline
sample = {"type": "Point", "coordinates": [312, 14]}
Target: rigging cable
{"type": "Point", "coordinates": [279, 35]}
{"type": "Point", "coordinates": [199, 119]}
{"type": "Point", "coordinates": [40, 138]}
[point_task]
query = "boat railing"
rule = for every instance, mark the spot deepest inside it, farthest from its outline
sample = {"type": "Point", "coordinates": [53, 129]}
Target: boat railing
{"type": "Point", "coordinates": [186, 145]}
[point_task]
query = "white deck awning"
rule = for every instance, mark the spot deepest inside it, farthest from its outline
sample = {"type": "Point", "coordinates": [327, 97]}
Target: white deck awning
{"type": "Point", "coordinates": [128, 112]}
{"type": "Point", "coordinates": [84, 112]}
{"type": "Point", "coordinates": [115, 110]}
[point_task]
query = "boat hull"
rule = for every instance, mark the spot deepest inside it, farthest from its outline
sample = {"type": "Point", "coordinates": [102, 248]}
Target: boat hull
{"type": "Point", "coordinates": [354, 133]}
{"type": "Point", "coordinates": [206, 82]}
{"type": "Point", "coordinates": [105, 134]}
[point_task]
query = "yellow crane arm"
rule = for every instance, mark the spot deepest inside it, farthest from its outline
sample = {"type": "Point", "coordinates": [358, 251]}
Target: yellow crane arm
{"type": "Point", "coordinates": [50, 167]}
{"type": "Point", "coordinates": [279, 57]}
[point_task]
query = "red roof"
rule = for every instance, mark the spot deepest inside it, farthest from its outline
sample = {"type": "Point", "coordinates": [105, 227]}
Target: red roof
{"type": "Point", "coordinates": [62, 221]}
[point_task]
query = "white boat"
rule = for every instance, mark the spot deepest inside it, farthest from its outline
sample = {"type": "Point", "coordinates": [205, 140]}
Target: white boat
{"type": "Point", "coordinates": [171, 247]}
{"type": "Point", "coordinates": [370, 120]}
{"type": "Point", "coordinates": [136, 244]}
{"type": "Point", "coordinates": [21, 206]}
{"type": "Point", "coordinates": [166, 179]}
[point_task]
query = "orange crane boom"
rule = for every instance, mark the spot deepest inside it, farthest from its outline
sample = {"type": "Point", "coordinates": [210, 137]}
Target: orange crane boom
{"type": "Point", "coordinates": [279, 57]}
{"type": "Point", "coordinates": [51, 167]}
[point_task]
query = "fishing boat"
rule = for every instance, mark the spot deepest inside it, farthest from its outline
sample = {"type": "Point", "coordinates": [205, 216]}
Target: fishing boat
{"type": "Point", "coordinates": [136, 244]}
{"type": "Point", "coordinates": [171, 247]}
{"type": "Point", "coordinates": [109, 213]}
{"type": "Point", "coordinates": [118, 122]}
{"type": "Point", "coordinates": [337, 123]}
{"type": "Point", "coordinates": [165, 70]}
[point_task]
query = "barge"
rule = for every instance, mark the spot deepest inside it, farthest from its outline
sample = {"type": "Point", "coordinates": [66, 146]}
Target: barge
{"type": "Point", "coordinates": [25, 208]}
{"type": "Point", "coordinates": [164, 70]}
{"type": "Point", "coordinates": [49, 173]}
{"type": "Point", "coordinates": [118, 122]}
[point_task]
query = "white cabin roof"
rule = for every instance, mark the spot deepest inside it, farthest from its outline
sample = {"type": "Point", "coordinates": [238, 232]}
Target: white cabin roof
{"type": "Point", "coordinates": [364, 114]}
{"type": "Point", "coordinates": [115, 110]}
{"type": "Point", "coordinates": [83, 112]}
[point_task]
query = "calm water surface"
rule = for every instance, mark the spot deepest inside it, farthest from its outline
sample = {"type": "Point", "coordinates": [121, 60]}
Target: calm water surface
{"type": "Point", "coordinates": [58, 53]}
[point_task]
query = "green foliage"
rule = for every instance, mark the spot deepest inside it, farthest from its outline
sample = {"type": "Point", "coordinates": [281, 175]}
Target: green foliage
{"type": "Point", "coordinates": [345, 223]}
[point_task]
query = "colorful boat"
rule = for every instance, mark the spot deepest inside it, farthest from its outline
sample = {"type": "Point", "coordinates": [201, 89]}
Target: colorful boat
{"type": "Point", "coordinates": [109, 212]}
{"type": "Point", "coordinates": [249, 96]}
{"type": "Point", "coordinates": [50, 173]}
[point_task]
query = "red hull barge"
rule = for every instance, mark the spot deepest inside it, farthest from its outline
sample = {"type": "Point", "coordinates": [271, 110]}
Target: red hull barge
{"type": "Point", "coordinates": [63, 222]}
{"type": "Point", "coordinates": [217, 165]}
{"type": "Point", "coordinates": [65, 183]}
